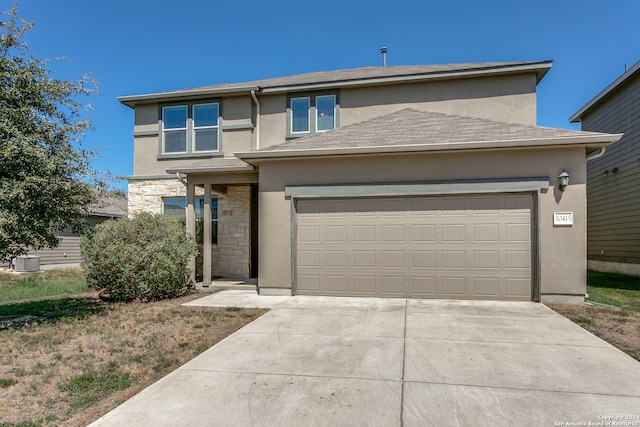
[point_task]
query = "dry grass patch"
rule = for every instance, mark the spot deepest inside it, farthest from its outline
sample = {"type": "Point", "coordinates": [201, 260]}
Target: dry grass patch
{"type": "Point", "coordinates": [618, 327]}
{"type": "Point", "coordinates": [72, 371]}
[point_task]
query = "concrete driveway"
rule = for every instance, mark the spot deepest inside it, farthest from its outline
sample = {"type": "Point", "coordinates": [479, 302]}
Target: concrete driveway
{"type": "Point", "coordinates": [316, 361]}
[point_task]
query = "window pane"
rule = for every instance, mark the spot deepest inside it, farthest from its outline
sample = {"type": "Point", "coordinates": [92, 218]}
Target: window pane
{"type": "Point", "coordinates": [175, 141]}
{"type": "Point", "coordinates": [174, 206]}
{"type": "Point", "coordinates": [175, 117]}
{"type": "Point", "coordinates": [214, 219]}
{"type": "Point", "coordinates": [206, 140]}
{"type": "Point", "coordinates": [214, 209]}
{"type": "Point", "coordinates": [300, 115]}
{"type": "Point", "coordinates": [325, 106]}
{"type": "Point", "coordinates": [205, 115]}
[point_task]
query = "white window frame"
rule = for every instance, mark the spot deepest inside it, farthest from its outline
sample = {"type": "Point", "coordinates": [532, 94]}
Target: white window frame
{"type": "Point", "coordinates": [185, 129]}
{"type": "Point", "coordinates": [189, 131]}
{"type": "Point", "coordinates": [334, 111]}
{"type": "Point", "coordinates": [194, 128]}
{"type": "Point", "coordinates": [308, 98]}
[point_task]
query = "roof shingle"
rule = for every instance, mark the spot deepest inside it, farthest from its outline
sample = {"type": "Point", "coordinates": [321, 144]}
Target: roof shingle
{"type": "Point", "coordinates": [352, 76]}
{"type": "Point", "coordinates": [413, 127]}
{"type": "Point", "coordinates": [355, 74]}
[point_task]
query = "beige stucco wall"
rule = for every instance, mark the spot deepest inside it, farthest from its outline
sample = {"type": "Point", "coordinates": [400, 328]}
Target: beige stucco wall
{"type": "Point", "coordinates": [562, 261]}
{"type": "Point", "coordinates": [235, 111]}
{"type": "Point", "coordinates": [509, 98]}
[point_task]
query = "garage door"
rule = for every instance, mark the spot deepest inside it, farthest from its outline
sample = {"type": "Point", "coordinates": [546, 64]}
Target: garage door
{"type": "Point", "coordinates": [466, 247]}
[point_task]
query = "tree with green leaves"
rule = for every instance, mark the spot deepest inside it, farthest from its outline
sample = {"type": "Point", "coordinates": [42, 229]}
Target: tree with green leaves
{"type": "Point", "coordinates": [45, 174]}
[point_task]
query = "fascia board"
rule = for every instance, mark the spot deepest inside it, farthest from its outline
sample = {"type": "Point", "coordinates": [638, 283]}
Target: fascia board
{"type": "Point", "coordinates": [591, 140]}
{"type": "Point", "coordinates": [132, 100]}
{"type": "Point", "coordinates": [541, 69]}
{"type": "Point", "coordinates": [205, 169]}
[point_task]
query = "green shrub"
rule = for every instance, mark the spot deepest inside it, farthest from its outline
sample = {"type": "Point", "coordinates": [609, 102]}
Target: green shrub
{"type": "Point", "coordinates": [143, 258]}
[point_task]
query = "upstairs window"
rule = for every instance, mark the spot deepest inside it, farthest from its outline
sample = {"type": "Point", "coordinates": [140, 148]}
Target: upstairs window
{"type": "Point", "coordinates": [300, 115]}
{"type": "Point", "coordinates": [205, 127]}
{"type": "Point", "coordinates": [311, 114]}
{"type": "Point", "coordinates": [325, 112]}
{"type": "Point", "coordinates": [175, 129]}
{"type": "Point", "coordinates": [190, 129]}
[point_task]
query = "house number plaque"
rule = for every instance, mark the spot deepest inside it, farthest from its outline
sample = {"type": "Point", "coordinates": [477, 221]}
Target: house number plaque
{"type": "Point", "coordinates": [563, 218]}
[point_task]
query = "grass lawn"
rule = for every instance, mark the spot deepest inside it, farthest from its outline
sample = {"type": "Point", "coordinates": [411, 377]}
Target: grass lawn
{"type": "Point", "coordinates": [68, 359]}
{"type": "Point", "coordinates": [618, 325]}
{"type": "Point", "coordinates": [16, 287]}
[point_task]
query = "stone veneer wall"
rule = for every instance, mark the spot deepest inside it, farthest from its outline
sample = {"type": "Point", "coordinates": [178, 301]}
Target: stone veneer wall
{"type": "Point", "coordinates": [146, 196]}
{"type": "Point", "coordinates": [231, 257]}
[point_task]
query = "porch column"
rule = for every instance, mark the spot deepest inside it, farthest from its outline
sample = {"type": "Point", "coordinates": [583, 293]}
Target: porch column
{"type": "Point", "coordinates": [191, 225]}
{"type": "Point", "coordinates": [206, 241]}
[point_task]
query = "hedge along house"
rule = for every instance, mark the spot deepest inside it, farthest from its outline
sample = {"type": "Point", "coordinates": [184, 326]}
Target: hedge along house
{"type": "Point", "coordinates": [420, 181]}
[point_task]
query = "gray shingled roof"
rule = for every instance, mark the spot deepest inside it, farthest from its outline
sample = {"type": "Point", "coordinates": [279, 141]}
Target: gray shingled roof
{"type": "Point", "coordinates": [354, 74]}
{"type": "Point", "coordinates": [349, 76]}
{"type": "Point", "coordinates": [413, 127]}
{"type": "Point", "coordinates": [220, 164]}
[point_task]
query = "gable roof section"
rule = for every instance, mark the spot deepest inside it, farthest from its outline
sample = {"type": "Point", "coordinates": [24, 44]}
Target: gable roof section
{"type": "Point", "coordinates": [410, 130]}
{"type": "Point", "coordinates": [348, 77]}
{"type": "Point", "coordinates": [605, 93]}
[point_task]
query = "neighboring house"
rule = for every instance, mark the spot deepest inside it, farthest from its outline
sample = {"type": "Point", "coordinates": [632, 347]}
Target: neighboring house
{"type": "Point", "coordinates": [413, 181]}
{"type": "Point", "coordinates": [613, 181]}
{"type": "Point", "coordinates": [68, 250]}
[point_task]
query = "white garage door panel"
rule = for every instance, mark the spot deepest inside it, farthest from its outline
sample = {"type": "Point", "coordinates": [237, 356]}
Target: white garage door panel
{"type": "Point", "coordinates": [430, 247]}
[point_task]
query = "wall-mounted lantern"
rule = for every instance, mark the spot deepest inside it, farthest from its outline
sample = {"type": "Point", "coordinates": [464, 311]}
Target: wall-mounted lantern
{"type": "Point", "coordinates": [564, 180]}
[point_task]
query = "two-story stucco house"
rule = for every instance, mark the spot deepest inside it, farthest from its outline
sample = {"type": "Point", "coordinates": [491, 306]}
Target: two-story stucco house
{"type": "Point", "coordinates": [613, 182]}
{"type": "Point", "coordinates": [412, 181]}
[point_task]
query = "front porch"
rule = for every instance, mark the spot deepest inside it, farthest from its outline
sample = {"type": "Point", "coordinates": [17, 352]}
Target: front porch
{"type": "Point", "coordinates": [224, 221]}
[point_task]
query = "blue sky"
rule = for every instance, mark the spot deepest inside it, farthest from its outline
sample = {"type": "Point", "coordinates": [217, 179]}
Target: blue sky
{"type": "Point", "coordinates": [138, 46]}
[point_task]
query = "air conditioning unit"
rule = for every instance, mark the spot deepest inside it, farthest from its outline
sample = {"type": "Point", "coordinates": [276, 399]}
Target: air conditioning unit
{"type": "Point", "coordinates": [26, 263]}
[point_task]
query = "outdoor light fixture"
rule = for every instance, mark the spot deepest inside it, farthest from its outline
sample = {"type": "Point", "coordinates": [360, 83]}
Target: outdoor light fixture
{"type": "Point", "coordinates": [564, 180]}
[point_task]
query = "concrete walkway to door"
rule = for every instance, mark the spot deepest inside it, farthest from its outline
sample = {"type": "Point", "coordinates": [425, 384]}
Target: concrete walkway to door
{"type": "Point", "coordinates": [321, 361]}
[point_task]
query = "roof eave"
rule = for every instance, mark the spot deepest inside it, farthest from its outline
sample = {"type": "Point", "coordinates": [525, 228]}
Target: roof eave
{"type": "Point", "coordinates": [133, 100]}
{"type": "Point", "coordinates": [590, 141]}
{"type": "Point", "coordinates": [540, 68]}
{"type": "Point", "coordinates": [596, 99]}
{"type": "Point", "coordinates": [205, 169]}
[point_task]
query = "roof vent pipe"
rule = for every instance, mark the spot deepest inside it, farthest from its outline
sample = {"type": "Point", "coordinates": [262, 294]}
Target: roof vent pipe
{"type": "Point", "coordinates": [383, 51]}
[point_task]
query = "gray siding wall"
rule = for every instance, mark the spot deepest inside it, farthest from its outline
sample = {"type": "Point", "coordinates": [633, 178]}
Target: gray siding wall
{"type": "Point", "coordinates": [613, 201]}
{"type": "Point", "coordinates": [67, 251]}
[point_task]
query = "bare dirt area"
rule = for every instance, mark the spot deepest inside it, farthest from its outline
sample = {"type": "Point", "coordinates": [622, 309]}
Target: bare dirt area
{"type": "Point", "coordinates": [618, 327]}
{"type": "Point", "coordinates": [71, 371]}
